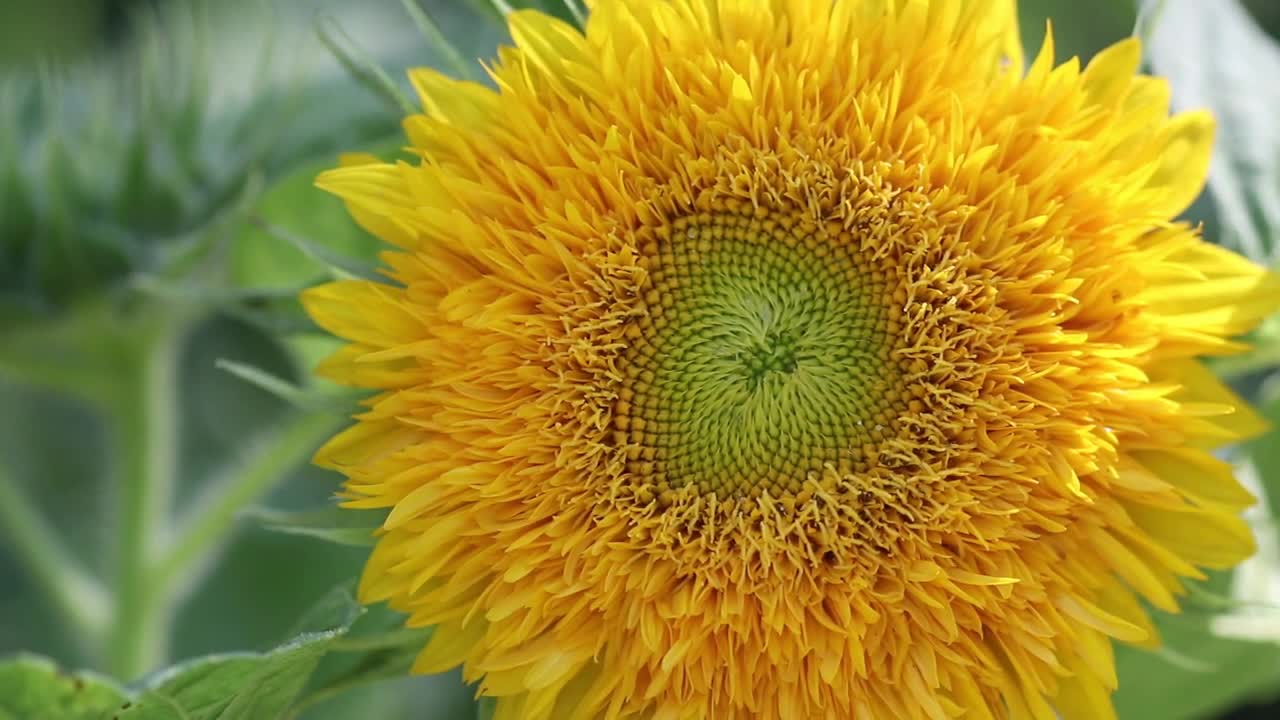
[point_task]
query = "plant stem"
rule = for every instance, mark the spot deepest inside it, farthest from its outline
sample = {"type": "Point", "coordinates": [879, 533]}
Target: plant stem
{"type": "Point", "coordinates": [210, 521]}
{"type": "Point", "coordinates": [161, 559]}
{"type": "Point", "coordinates": [79, 596]}
{"type": "Point", "coordinates": [148, 443]}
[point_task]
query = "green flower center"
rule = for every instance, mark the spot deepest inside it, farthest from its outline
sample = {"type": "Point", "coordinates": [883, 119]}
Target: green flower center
{"type": "Point", "coordinates": [759, 357]}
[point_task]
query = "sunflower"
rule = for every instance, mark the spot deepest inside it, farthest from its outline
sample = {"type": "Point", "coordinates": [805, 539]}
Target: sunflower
{"type": "Point", "coordinates": [790, 359]}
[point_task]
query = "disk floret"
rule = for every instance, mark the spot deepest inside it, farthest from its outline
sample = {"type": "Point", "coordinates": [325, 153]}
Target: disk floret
{"type": "Point", "coordinates": [756, 357]}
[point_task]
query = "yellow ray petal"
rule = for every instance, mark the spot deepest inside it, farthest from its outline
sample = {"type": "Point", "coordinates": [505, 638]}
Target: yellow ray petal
{"type": "Point", "coordinates": [1109, 75]}
{"type": "Point", "coordinates": [1208, 538]}
{"type": "Point", "coordinates": [1185, 146]}
{"type": "Point", "coordinates": [1198, 473]}
{"type": "Point", "coordinates": [450, 644]}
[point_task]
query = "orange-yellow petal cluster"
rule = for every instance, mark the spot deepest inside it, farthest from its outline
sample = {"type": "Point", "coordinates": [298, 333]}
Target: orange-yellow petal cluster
{"type": "Point", "coordinates": [791, 359]}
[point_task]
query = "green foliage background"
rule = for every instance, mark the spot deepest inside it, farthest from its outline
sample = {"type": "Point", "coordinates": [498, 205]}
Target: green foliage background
{"type": "Point", "coordinates": [165, 550]}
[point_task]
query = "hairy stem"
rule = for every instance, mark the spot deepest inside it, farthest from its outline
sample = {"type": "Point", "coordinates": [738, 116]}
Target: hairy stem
{"type": "Point", "coordinates": [213, 516]}
{"type": "Point", "coordinates": [147, 441]}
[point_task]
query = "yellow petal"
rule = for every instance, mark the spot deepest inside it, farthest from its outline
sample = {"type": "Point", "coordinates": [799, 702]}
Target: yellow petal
{"type": "Point", "coordinates": [1208, 538]}
{"type": "Point", "coordinates": [1135, 571]}
{"type": "Point", "coordinates": [1002, 17]}
{"type": "Point", "coordinates": [451, 643]}
{"type": "Point", "coordinates": [1119, 601]}
{"type": "Point", "coordinates": [1099, 619]}
{"type": "Point", "coordinates": [1081, 697]}
{"type": "Point", "coordinates": [357, 444]}
{"type": "Point", "coordinates": [1204, 396]}
{"type": "Point", "coordinates": [367, 312]}
{"type": "Point", "coordinates": [1197, 473]}
{"type": "Point", "coordinates": [353, 159]}
{"type": "Point", "coordinates": [510, 708]}
{"type": "Point", "coordinates": [1110, 73]}
{"type": "Point", "coordinates": [454, 102]}
{"type": "Point", "coordinates": [1185, 143]}
{"type": "Point", "coordinates": [375, 195]}
{"type": "Point", "coordinates": [548, 42]}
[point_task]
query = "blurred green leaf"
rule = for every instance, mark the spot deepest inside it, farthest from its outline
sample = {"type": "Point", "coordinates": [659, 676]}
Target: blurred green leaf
{"type": "Point", "coordinates": [568, 10]}
{"type": "Point", "coordinates": [344, 526]}
{"type": "Point", "coordinates": [32, 687]}
{"type": "Point", "coordinates": [300, 235]}
{"type": "Point", "coordinates": [1217, 57]}
{"type": "Point", "coordinates": [57, 28]}
{"type": "Point", "coordinates": [1197, 673]}
{"type": "Point", "coordinates": [486, 707]}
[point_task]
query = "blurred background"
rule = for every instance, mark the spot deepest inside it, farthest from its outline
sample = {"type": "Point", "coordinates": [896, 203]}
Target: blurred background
{"type": "Point", "coordinates": [156, 219]}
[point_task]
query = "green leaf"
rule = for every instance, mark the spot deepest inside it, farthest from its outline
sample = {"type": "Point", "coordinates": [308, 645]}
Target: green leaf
{"type": "Point", "coordinates": [300, 235]}
{"type": "Point", "coordinates": [344, 526]}
{"type": "Point", "coordinates": [338, 609]}
{"type": "Point", "coordinates": [1217, 57]}
{"type": "Point", "coordinates": [570, 11]}
{"type": "Point", "coordinates": [245, 686]}
{"type": "Point", "coordinates": [33, 687]}
{"type": "Point", "coordinates": [377, 648]}
{"type": "Point", "coordinates": [1196, 673]}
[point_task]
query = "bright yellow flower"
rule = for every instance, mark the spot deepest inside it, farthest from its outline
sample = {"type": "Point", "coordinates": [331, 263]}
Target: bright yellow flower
{"type": "Point", "coordinates": [791, 359]}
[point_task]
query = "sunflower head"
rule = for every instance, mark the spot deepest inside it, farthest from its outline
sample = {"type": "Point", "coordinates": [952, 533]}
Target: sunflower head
{"type": "Point", "coordinates": [788, 360]}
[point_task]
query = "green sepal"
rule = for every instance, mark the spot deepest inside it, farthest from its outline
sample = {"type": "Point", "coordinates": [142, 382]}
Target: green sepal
{"type": "Point", "coordinates": [344, 526]}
